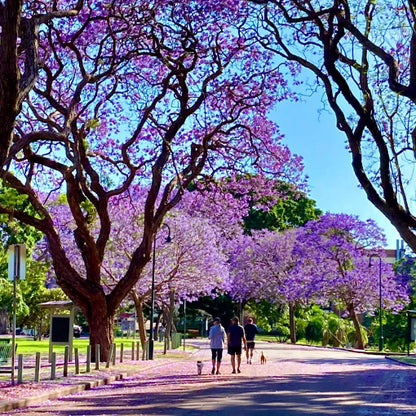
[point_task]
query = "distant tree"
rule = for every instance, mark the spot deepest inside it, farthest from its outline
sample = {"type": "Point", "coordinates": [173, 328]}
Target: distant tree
{"type": "Point", "coordinates": [265, 266]}
{"type": "Point", "coordinates": [32, 290]}
{"type": "Point", "coordinates": [324, 262]}
{"type": "Point", "coordinates": [337, 248]}
{"type": "Point", "coordinates": [291, 208]}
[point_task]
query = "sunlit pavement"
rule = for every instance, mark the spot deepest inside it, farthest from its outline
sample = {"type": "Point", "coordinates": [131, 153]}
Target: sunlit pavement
{"type": "Point", "coordinates": [295, 381]}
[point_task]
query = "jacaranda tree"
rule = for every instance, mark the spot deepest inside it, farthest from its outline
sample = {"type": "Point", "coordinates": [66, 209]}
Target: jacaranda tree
{"type": "Point", "coordinates": [131, 93]}
{"type": "Point", "coordinates": [325, 262]}
{"type": "Point", "coordinates": [337, 249]}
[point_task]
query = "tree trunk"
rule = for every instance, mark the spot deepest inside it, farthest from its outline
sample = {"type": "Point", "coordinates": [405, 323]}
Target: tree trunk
{"type": "Point", "coordinates": [101, 330]}
{"type": "Point", "coordinates": [168, 329]}
{"type": "Point", "coordinates": [292, 323]}
{"type": "Point", "coordinates": [357, 326]}
{"type": "Point", "coordinates": [169, 312]}
{"type": "Point", "coordinates": [138, 304]}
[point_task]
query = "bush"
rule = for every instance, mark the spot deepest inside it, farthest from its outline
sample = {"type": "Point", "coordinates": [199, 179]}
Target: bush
{"type": "Point", "coordinates": [314, 329]}
{"type": "Point", "coordinates": [281, 332]}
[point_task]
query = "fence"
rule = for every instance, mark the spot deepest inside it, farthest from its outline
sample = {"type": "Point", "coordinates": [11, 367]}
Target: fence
{"type": "Point", "coordinates": [35, 367]}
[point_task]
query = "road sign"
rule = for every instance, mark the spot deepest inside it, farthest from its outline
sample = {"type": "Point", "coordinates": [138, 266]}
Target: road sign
{"type": "Point", "coordinates": [17, 261]}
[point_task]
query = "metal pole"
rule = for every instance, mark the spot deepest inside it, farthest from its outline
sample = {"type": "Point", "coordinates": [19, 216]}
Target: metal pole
{"type": "Point", "coordinates": [380, 344]}
{"type": "Point", "coordinates": [184, 323]}
{"type": "Point", "coordinates": [16, 274]}
{"type": "Point", "coordinates": [13, 330]}
{"type": "Point", "coordinates": [152, 303]}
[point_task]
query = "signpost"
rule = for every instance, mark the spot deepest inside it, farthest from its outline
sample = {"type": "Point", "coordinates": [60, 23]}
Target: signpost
{"type": "Point", "coordinates": [16, 270]}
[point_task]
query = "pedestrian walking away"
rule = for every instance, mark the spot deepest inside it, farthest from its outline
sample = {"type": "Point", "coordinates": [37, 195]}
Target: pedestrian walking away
{"type": "Point", "coordinates": [235, 337]}
{"type": "Point", "coordinates": [251, 330]}
{"type": "Point", "coordinates": [217, 340]}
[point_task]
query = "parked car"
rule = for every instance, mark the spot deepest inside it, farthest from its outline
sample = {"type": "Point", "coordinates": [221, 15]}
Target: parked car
{"type": "Point", "coordinates": [77, 331]}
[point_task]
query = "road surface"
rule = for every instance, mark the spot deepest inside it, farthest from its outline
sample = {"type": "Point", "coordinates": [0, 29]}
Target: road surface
{"type": "Point", "coordinates": [296, 381]}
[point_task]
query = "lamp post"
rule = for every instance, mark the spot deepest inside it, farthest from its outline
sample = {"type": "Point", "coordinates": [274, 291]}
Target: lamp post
{"type": "Point", "coordinates": [152, 299]}
{"type": "Point", "coordinates": [184, 323]}
{"type": "Point", "coordinates": [380, 343]}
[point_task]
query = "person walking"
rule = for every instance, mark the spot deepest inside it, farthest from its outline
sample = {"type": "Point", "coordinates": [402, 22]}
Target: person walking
{"type": "Point", "coordinates": [235, 336]}
{"type": "Point", "coordinates": [251, 330]}
{"type": "Point", "coordinates": [217, 340]}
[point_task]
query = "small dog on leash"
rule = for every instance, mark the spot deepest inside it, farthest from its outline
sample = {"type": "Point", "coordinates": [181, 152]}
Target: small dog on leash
{"type": "Point", "coordinates": [263, 358]}
{"type": "Point", "coordinates": [199, 365]}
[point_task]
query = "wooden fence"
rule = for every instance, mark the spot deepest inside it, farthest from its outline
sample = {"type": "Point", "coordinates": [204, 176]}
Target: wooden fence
{"type": "Point", "coordinates": [36, 367]}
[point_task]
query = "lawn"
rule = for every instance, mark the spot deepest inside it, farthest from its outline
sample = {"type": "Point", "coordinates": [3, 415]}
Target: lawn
{"type": "Point", "coordinates": [26, 345]}
{"type": "Point", "coordinates": [405, 359]}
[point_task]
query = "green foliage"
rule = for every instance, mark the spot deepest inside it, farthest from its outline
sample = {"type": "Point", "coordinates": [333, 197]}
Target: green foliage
{"type": "Point", "coordinates": [222, 306]}
{"type": "Point", "coordinates": [90, 211]}
{"type": "Point", "coordinates": [11, 232]}
{"type": "Point", "coordinates": [31, 291]}
{"type": "Point", "coordinates": [6, 298]}
{"type": "Point", "coordinates": [317, 325]}
{"type": "Point", "coordinates": [292, 211]}
{"type": "Point", "coordinates": [281, 332]}
{"type": "Point", "coordinates": [352, 336]}
{"type": "Point", "coordinates": [35, 292]}
{"type": "Point", "coordinates": [395, 325]}
{"type": "Point", "coordinates": [268, 316]}
{"type": "Point", "coordinates": [335, 330]}
{"type": "Point", "coordinates": [314, 329]}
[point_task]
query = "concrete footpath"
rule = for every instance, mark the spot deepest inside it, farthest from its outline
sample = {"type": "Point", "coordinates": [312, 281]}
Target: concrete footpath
{"type": "Point", "coordinates": [29, 393]}
{"type": "Point", "coordinates": [295, 381]}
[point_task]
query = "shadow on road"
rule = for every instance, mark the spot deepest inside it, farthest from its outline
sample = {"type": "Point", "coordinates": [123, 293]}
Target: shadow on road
{"type": "Point", "coordinates": [369, 392]}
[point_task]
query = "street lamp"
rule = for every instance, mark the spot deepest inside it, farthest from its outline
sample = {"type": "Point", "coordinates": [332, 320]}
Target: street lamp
{"type": "Point", "coordinates": [152, 301]}
{"type": "Point", "coordinates": [380, 344]}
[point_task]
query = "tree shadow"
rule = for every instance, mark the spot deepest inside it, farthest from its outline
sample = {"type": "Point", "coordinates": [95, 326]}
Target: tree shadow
{"type": "Point", "coordinates": [366, 392]}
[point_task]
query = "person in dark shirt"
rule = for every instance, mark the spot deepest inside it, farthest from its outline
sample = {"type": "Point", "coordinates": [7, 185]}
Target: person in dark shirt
{"type": "Point", "coordinates": [251, 331]}
{"type": "Point", "coordinates": [235, 337]}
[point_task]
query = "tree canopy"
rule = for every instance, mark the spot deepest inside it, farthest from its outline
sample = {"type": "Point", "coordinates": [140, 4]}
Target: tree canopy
{"type": "Point", "coordinates": [129, 98]}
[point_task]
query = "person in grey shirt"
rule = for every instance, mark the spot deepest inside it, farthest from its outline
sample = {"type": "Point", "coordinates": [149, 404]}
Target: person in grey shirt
{"type": "Point", "coordinates": [217, 339]}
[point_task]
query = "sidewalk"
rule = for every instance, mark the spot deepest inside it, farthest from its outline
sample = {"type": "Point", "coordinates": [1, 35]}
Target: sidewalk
{"type": "Point", "coordinates": [27, 393]}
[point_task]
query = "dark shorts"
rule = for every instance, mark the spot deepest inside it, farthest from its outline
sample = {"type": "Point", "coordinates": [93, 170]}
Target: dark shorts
{"type": "Point", "coordinates": [216, 354]}
{"type": "Point", "coordinates": [250, 345]}
{"type": "Point", "coordinates": [234, 350]}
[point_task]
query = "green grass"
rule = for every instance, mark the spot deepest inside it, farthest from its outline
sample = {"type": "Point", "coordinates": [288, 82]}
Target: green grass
{"type": "Point", "coordinates": [29, 346]}
{"type": "Point", "coordinates": [268, 338]}
{"type": "Point", "coordinates": [406, 359]}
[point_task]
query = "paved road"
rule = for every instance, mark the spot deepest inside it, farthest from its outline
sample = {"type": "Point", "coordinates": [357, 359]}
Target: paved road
{"type": "Point", "coordinates": [297, 381]}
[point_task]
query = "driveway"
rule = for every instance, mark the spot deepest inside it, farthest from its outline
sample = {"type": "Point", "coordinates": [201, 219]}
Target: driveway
{"type": "Point", "coordinates": [298, 381]}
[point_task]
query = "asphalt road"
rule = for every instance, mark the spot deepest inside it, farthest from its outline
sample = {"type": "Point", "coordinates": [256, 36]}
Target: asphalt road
{"type": "Point", "coordinates": [296, 381]}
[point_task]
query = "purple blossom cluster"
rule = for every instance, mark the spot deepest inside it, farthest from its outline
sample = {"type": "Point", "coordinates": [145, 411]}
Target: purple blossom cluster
{"type": "Point", "coordinates": [325, 262]}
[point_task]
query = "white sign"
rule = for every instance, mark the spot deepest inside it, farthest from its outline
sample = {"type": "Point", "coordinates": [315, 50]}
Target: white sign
{"type": "Point", "coordinates": [17, 261]}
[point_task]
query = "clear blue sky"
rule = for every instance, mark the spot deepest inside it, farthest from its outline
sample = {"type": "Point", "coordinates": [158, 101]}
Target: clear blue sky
{"type": "Point", "coordinates": [333, 185]}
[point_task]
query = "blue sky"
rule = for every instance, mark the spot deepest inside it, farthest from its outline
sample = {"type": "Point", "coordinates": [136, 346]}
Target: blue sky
{"type": "Point", "coordinates": [313, 135]}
